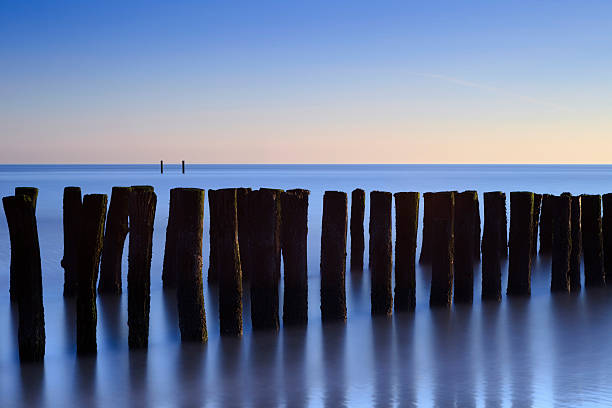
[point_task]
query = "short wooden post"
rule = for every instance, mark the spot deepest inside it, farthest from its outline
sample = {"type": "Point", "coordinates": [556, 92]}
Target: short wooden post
{"type": "Point", "coordinates": [465, 225]}
{"type": "Point", "coordinates": [537, 206]}
{"type": "Point", "coordinates": [406, 228]}
{"type": "Point", "coordinates": [546, 221]}
{"type": "Point", "coordinates": [72, 223]}
{"type": "Point", "coordinates": [521, 233]}
{"type": "Point", "coordinates": [141, 208]}
{"type": "Point", "coordinates": [575, 256]}
{"type": "Point", "coordinates": [426, 244]}
{"type": "Point", "coordinates": [561, 243]}
{"type": "Point", "coordinates": [213, 274]}
{"type": "Point", "coordinates": [442, 263]}
{"type": "Point", "coordinates": [592, 241]}
{"type": "Point", "coordinates": [606, 201]}
{"type": "Point", "coordinates": [477, 221]}
{"type": "Point", "coordinates": [492, 244]}
{"type": "Point", "coordinates": [25, 251]}
{"type": "Point", "coordinates": [381, 294]}
{"type": "Point", "coordinates": [244, 230]}
{"type": "Point", "coordinates": [264, 207]}
{"type": "Point", "coordinates": [114, 241]}
{"type": "Point", "coordinates": [294, 233]}
{"type": "Point", "coordinates": [333, 256]}
{"type": "Point", "coordinates": [357, 232]}
{"type": "Point", "coordinates": [169, 273]}
{"type": "Point", "coordinates": [32, 193]}
{"type": "Point", "coordinates": [90, 249]}
{"type": "Point", "coordinates": [189, 223]}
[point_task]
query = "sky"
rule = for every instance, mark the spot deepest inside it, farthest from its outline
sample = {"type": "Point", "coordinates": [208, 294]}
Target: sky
{"type": "Point", "coordinates": [306, 81]}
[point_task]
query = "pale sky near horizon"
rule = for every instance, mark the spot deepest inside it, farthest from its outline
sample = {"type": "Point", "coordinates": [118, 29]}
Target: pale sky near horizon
{"type": "Point", "coordinates": [306, 81]}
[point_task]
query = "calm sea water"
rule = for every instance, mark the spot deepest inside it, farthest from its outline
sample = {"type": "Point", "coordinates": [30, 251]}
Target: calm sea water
{"type": "Point", "coordinates": [543, 351]}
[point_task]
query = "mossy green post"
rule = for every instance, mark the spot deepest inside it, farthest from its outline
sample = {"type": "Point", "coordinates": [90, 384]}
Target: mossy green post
{"type": "Point", "coordinates": [114, 241]}
{"type": "Point", "coordinates": [521, 233]}
{"type": "Point", "coordinates": [381, 294]}
{"type": "Point", "coordinates": [406, 229]}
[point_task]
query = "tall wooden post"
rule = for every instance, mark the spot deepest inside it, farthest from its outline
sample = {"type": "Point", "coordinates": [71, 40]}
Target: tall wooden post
{"type": "Point", "coordinates": [333, 256]}
{"type": "Point", "coordinates": [606, 201]}
{"type": "Point", "coordinates": [244, 231]}
{"type": "Point", "coordinates": [169, 272]}
{"type": "Point", "coordinates": [141, 208]}
{"type": "Point", "coordinates": [426, 243]}
{"type": "Point", "coordinates": [592, 241]}
{"type": "Point", "coordinates": [213, 274]}
{"type": "Point", "coordinates": [443, 247]}
{"type": "Point", "coordinates": [546, 221]}
{"type": "Point", "coordinates": [493, 246]}
{"type": "Point", "coordinates": [406, 228]}
{"type": "Point", "coordinates": [477, 221]}
{"type": "Point", "coordinates": [465, 225]}
{"type": "Point", "coordinates": [72, 222]}
{"type": "Point", "coordinates": [357, 232]}
{"type": "Point", "coordinates": [380, 236]}
{"type": "Point", "coordinates": [521, 233]}
{"type": "Point", "coordinates": [537, 206]}
{"type": "Point", "coordinates": [561, 243]}
{"type": "Point", "coordinates": [575, 256]}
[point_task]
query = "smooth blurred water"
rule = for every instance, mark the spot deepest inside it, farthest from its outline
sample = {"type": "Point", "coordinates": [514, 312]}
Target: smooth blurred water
{"type": "Point", "coordinates": [542, 351]}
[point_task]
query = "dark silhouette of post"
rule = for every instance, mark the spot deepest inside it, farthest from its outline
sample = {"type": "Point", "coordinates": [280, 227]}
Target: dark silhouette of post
{"type": "Point", "coordinates": [90, 249]}
{"type": "Point", "coordinates": [381, 294]}
{"type": "Point", "coordinates": [426, 244]}
{"type": "Point", "coordinates": [561, 243]}
{"type": "Point", "coordinates": [169, 273]}
{"type": "Point", "coordinates": [592, 241]}
{"type": "Point", "coordinates": [213, 275]}
{"type": "Point", "coordinates": [437, 205]}
{"type": "Point", "coordinates": [25, 252]}
{"type": "Point", "coordinates": [357, 232]}
{"type": "Point", "coordinates": [183, 166]}
{"type": "Point", "coordinates": [406, 228]}
{"type": "Point", "coordinates": [114, 241]}
{"type": "Point", "coordinates": [189, 226]}
{"type": "Point", "coordinates": [244, 231]}
{"type": "Point", "coordinates": [264, 207]}
{"type": "Point", "coordinates": [521, 233]}
{"type": "Point", "coordinates": [442, 210]}
{"type": "Point", "coordinates": [294, 233]}
{"type": "Point", "coordinates": [537, 206]}
{"type": "Point", "coordinates": [546, 221]}
{"type": "Point", "coordinates": [575, 256]}
{"type": "Point", "coordinates": [141, 208]}
{"type": "Point", "coordinates": [606, 201]}
{"type": "Point", "coordinates": [492, 244]}
{"type": "Point", "coordinates": [72, 223]}
{"type": "Point", "coordinates": [477, 230]}
{"type": "Point", "coordinates": [31, 192]}
{"type": "Point", "coordinates": [161, 166]}
{"type": "Point", "coordinates": [333, 256]}
{"type": "Point", "coordinates": [465, 225]}
{"type": "Point", "coordinates": [230, 274]}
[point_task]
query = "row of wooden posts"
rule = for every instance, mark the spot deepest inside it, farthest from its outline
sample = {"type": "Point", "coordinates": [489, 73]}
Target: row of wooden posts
{"type": "Point", "coordinates": [249, 229]}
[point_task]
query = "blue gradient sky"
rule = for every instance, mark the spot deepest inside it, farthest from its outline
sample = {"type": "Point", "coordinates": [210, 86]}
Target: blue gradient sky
{"type": "Point", "coordinates": [306, 82]}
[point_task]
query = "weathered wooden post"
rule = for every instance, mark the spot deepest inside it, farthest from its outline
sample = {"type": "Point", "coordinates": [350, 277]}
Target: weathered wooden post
{"type": "Point", "coordinates": [169, 273]}
{"type": "Point", "coordinates": [141, 208]}
{"type": "Point", "coordinates": [90, 249]}
{"type": "Point", "coordinates": [546, 221]}
{"type": "Point", "coordinates": [31, 192]}
{"type": "Point", "coordinates": [25, 251]}
{"type": "Point", "coordinates": [294, 233]}
{"type": "Point", "coordinates": [189, 223]}
{"type": "Point", "coordinates": [521, 233]}
{"type": "Point", "coordinates": [183, 166]}
{"type": "Point", "coordinates": [381, 294]}
{"type": "Point", "coordinates": [161, 165]}
{"type": "Point", "coordinates": [357, 232]}
{"type": "Point", "coordinates": [72, 223]}
{"type": "Point", "coordinates": [606, 201]}
{"type": "Point", "coordinates": [477, 230]}
{"type": "Point", "coordinates": [537, 206]}
{"type": "Point", "coordinates": [406, 228]}
{"type": "Point", "coordinates": [575, 256]}
{"type": "Point", "coordinates": [114, 241]}
{"type": "Point", "coordinates": [443, 247]}
{"type": "Point", "coordinates": [592, 241]}
{"type": "Point", "coordinates": [333, 256]}
{"type": "Point", "coordinates": [561, 242]}
{"type": "Point", "coordinates": [492, 244]}
{"type": "Point", "coordinates": [244, 238]}
{"type": "Point", "coordinates": [264, 207]}
{"type": "Point", "coordinates": [426, 243]}
{"type": "Point", "coordinates": [465, 225]}
{"type": "Point", "coordinates": [213, 274]}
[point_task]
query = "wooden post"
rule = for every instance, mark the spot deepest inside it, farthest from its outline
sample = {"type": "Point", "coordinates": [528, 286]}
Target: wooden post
{"type": "Point", "coordinates": [477, 231]}
{"type": "Point", "coordinates": [333, 256]}
{"type": "Point", "coordinates": [169, 272]}
{"type": "Point", "coordinates": [406, 228]}
{"type": "Point", "coordinates": [546, 221]}
{"type": "Point", "coordinates": [492, 244]}
{"type": "Point", "coordinates": [381, 294]}
{"type": "Point", "coordinates": [537, 206]}
{"type": "Point", "coordinates": [189, 223]}
{"type": "Point", "coordinates": [561, 242]}
{"type": "Point", "coordinates": [426, 243]}
{"type": "Point", "coordinates": [357, 232]}
{"type": "Point", "coordinates": [141, 209]}
{"type": "Point", "coordinates": [114, 241]}
{"type": "Point", "coordinates": [31, 192]}
{"type": "Point", "coordinates": [521, 233]}
{"type": "Point", "coordinates": [592, 241]}
{"type": "Point", "coordinates": [442, 263]}
{"type": "Point", "coordinates": [294, 233]}
{"type": "Point", "coordinates": [230, 274]}
{"type": "Point", "coordinates": [72, 222]}
{"type": "Point", "coordinates": [161, 165]}
{"type": "Point", "coordinates": [25, 251]}
{"type": "Point", "coordinates": [183, 166]}
{"type": "Point", "coordinates": [213, 275]}
{"type": "Point", "coordinates": [90, 248]}
{"type": "Point", "coordinates": [606, 201]}
{"type": "Point", "coordinates": [465, 225]}
{"type": "Point", "coordinates": [264, 207]}
{"type": "Point", "coordinates": [438, 205]}
{"type": "Point", "coordinates": [244, 238]}
{"type": "Point", "coordinates": [575, 256]}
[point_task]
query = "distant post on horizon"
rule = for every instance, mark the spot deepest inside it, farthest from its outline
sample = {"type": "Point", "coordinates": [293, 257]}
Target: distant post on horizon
{"type": "Point", "coordinates": [183, 165]}
{"type": "Point", "coordinates": [161, 164]}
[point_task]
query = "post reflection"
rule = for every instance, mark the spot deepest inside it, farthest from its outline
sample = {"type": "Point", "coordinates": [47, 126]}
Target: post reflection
{"type": "Point", "coordinates": [382, 340]}
{"type": "Point", "coordinates": [85, 378]}
{"type": "Point", "coordinates": [520, 363]}
{"type": "Point", "coordinates": [109, 309]}
{"type": "Point", "coordinates": [491, 354]}
{"type": "Point", "coordinates": [263, 369]}
{"type": "Point", "coordinates": [32, 378]}
{"type": "Point", "coordinates": [333, 337]}
{"type": "Point", "coordinates": [294, 359]}
{"type": "Point", "coordinates": [191, 374]}
{"type": "Point", "coordinates": [138, 376]}
{"type": "Point", "coordinates": [69, 325]}
{"type": "Point", "coordinates": [230, 365]}
{"type": "Point", "coordinates": [403, 356]}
